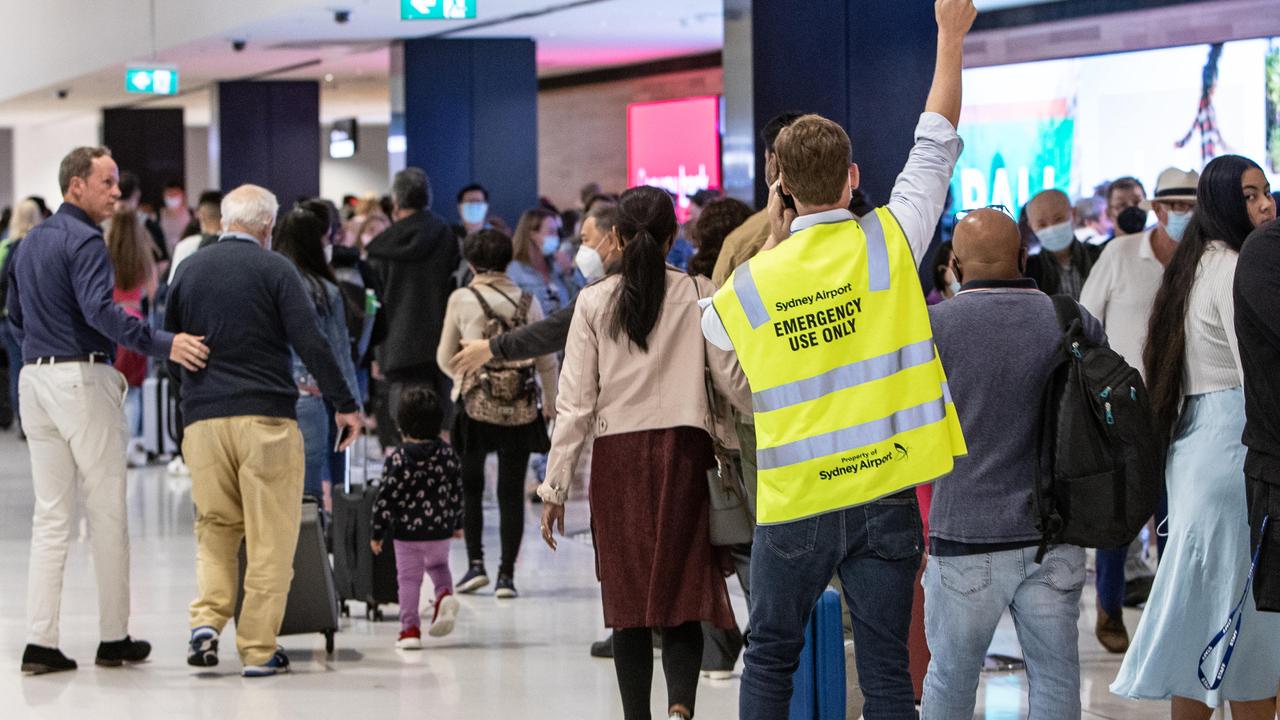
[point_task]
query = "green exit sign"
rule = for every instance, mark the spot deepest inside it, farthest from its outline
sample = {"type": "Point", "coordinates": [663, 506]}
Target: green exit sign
{"type": "Point", "coordinates": [437, 9]}
{"type": "Point", "coordinates": [151, 80]}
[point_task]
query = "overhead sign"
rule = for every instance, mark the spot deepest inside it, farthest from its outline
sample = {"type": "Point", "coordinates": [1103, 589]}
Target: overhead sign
{"type": "Point", "coordinates": [675, 145]}
{"type": "Point", "coordinates": [437, 9]}
{"type": "Point", "coordinates": [151, 80]}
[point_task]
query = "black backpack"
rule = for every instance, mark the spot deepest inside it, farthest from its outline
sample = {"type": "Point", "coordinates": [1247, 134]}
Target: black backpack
{"type": "Point", "coordinates": [1101, 458]}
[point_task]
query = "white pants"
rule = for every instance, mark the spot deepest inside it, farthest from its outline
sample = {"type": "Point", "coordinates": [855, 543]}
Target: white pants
{"type": "Point", "coordinates": [73, 414]}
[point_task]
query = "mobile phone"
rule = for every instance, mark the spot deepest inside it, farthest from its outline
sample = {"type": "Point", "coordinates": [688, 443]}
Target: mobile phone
{"type": "Point", "coordinates": [788, 201]}
{"type": "Point", "coordinates": [343, 433]}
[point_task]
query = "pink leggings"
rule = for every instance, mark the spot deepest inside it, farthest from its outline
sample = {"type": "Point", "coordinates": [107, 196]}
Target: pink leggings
{"type": "Point", "coordinates": [412, 560]}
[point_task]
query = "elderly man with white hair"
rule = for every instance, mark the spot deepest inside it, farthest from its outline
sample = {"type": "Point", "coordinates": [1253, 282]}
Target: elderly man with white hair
{"type": "Point", "coordinates": [241, 436]}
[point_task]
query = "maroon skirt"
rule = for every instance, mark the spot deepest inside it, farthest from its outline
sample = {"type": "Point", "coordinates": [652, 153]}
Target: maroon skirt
{"type": "Point", "coordinates": [651, 527]}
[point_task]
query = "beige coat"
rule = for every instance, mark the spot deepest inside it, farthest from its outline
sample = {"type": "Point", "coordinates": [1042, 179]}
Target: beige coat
{"type": "Point", "coordinates": [464, 319]}
{"type": "Point", "coordinates": [610, 387]}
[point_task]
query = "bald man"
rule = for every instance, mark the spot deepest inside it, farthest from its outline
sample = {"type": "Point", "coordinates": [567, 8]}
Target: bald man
{"type": "Point", "coordinates": [1000, 341]}
{"type": "Point", "coordinates": [1064, 263]}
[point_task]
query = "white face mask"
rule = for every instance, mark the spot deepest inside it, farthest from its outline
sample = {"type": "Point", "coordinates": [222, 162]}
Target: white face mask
{"type": "Point", "coordinates": [955, 287]}
{"type": "Point", "coordinates": [173, 202]}
{"type": "Point", "coordinates": [589, 263]}
{"type": "Point", "coordinates": [328, 254]}
{"type": "Point", "coordinates": [1057, 238]}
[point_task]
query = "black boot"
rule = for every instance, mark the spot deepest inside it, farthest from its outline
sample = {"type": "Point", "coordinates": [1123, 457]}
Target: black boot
{"type": "Point", "coordinates": [128, 650]}
{"type": "Point", "coordinates": [38, 660]}
{"type": "Point", "coordinates": [603, 648]}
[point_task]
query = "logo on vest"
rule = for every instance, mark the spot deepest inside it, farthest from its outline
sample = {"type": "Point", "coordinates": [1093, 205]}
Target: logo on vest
{"type": "Point", "coordinates": [869, 460]}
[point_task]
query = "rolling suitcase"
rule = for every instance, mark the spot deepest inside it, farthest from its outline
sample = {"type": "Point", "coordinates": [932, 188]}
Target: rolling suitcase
{"type": "Point", "coordinates": [818, 687]}
{"type": "Point", "coordinates": [159, 418]}
{"type": "Point", "coordinates": [360, 574]}
{"type": "Point", "coordinates": [312, 606]}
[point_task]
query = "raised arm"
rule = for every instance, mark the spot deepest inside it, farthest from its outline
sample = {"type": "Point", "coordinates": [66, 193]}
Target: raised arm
{"type": "Point", "coordinates": [955, 17]}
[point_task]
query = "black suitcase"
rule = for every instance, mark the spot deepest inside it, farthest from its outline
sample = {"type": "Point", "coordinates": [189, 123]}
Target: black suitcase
{"type": "Point", "coordinates": [312, 606]}
{"type": "Point", "coordinates": [361, 575]}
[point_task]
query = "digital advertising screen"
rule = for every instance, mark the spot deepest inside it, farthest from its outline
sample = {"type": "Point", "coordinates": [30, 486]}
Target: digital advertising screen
{"type": "Point", "coordinates": [1082, 122]}
{"type": "Point", "coordinates": [675, 145]}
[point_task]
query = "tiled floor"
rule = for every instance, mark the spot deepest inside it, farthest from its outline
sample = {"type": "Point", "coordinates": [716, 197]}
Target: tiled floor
{"type": "Point", "coordinates": [523, 659]}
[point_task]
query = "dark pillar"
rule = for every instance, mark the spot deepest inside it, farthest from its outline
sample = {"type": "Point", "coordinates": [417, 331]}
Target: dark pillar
{"type": "Point", "coordinates": [866, 64]}
{"type": "Point", "coordinates": [471, 115]}
{"type": "Point", "coordinates": [268, 134]}
{"type": "Point", "coordinates": [149, 142]}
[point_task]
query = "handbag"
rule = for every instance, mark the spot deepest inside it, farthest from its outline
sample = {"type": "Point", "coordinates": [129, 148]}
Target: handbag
{"type": "Point", "coordinates": [732, 522]}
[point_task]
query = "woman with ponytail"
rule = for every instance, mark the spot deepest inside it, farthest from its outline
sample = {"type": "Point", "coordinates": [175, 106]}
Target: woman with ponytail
{"type": "Point", "coordinates": [634, 378]}
{"type": "Point", "coordinates": [1193, 375]}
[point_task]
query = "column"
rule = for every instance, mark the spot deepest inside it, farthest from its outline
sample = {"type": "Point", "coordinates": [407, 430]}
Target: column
{"type": "Point", "coordinates": [268, 133]}
{"type": "Point", "coordinates": [149, 142]}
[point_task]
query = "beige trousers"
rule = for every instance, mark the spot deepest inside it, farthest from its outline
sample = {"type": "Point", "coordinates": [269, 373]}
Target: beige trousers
{"type": "Point", "coordinates": [73, 414]}
{"type": "Point", "coordinates": [246, 481]}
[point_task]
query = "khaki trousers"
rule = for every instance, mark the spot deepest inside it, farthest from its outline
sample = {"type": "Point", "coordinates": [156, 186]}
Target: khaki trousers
{"type": "Point", "coordinates": [73, 414]}
{"type": "Point", "coordinates": [246, 481]}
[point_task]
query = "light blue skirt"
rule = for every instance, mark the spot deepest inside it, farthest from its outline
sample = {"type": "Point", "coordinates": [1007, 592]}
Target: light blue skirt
{"type": "Point", "coordinates": [1203, 571]}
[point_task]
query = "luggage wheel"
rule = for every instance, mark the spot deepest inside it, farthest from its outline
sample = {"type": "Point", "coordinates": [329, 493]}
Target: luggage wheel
{"type": "Point", "coordinates": [328, 642]}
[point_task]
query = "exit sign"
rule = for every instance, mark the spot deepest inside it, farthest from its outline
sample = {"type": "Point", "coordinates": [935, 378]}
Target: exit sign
{"type": "Point", "coordinates": [437, 9]}
{"type": "Point", "coordinates": [151, 80]}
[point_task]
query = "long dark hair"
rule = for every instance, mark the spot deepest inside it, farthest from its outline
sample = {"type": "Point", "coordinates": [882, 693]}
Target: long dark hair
{"type": "Point", "coordinates": [300, 237]}
{"type": "Point", "coordinates": [1221, 214]}
{"type": "Point", "coordinates": [646, 223]}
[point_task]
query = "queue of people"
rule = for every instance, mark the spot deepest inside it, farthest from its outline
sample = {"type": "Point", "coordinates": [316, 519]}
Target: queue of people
{"type": "Point", "coordinates": [797, 358]}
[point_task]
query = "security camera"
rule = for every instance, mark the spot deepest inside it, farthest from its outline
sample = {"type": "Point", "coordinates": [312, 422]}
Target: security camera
{"type": "Point", "coordinates": [63, 93]}
{"type": "Point", "coordinates": [238, 45]}
{"type": "Point", "coordinates": [342, 17]}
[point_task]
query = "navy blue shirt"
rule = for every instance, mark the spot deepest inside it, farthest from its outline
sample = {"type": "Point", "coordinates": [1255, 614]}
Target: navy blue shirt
{"type": "Point", "coordinates": [60, 294]}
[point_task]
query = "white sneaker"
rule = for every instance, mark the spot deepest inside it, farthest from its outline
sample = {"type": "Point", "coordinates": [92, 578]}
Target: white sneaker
{"type": "Point", "coordinates": [136, 457]}
{"type": "Point", "coordinates": [446, 616]}
{"type": "Point", "coordinates": [178, 467]}
{"type": "Point", "coordinates": [717, 674]}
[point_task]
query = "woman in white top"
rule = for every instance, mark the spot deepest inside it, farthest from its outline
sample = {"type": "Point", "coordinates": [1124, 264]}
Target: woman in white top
{"type": "Point", "coordinates": [1193, 372]}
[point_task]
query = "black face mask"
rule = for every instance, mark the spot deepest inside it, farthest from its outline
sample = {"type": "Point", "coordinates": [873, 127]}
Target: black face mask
{"type": "Point", "coordinates": [1132, 220]}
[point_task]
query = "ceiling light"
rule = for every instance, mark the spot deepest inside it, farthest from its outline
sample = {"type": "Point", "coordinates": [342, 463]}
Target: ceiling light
{"type": "Point", "coordinates": [328, 77]}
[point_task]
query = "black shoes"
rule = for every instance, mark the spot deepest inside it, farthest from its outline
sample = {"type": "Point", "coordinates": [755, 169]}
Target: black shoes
{"type": "Point", "coordinates": [37, 660]}
{"type": "Point", "coordinates": [128, 650]}
{"type": "Point", "coordinates": [603, 648]}
{"type": "Point", "coordinates": [203, 651]}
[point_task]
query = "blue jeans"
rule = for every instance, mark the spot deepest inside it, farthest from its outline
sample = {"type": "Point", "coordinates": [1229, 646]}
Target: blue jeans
{"type": "Point", "coordinates": [313, 421]}
{"type": "Point", "coordinates": [875, 549]}
{"type": "Point", "coordinates": [964, 598]}
{"type": "Point", "coordinates": [1111, 564]}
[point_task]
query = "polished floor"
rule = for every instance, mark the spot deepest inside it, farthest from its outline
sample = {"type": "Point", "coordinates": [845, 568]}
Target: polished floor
{"type": "Point", "coordinates": [520, 659]}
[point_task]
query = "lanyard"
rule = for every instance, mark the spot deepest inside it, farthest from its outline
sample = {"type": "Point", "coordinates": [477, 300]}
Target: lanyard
{"type": "Point", "coordinates": [1237, 616]}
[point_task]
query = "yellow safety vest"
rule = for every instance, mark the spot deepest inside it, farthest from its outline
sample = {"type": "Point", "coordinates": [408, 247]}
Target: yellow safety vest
{"type": "Point", "coordinates": [850, 399]}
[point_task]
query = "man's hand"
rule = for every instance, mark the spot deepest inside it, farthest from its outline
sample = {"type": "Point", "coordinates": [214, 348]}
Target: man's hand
{"type": "Point", "coordinates": [376, 546]}
{"type": "Point", "coordinates": [349, 421]}
{"type": "Point", "coordinates": [189, 351]}
{"type": "Point", "coordinates": [780, 217]}
{"type": "Point", "coordinates": [955, 18]}
{"type": "Point", "coordinates": [473, 356]}
{"type": "Point", "coordinates": [552, 519]}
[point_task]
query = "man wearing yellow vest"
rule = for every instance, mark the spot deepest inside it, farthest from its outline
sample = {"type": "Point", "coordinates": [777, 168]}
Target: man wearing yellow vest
{"type": "Point", "coordinates": [850, 400]}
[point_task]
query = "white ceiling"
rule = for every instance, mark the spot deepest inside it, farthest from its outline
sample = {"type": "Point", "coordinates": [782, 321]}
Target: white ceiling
{"type": "Point", "coordinates": [353, 57]}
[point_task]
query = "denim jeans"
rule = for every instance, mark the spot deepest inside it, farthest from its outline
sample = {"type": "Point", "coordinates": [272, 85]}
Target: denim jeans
{"type": "Point", "coordinates": [964, 598]}
{"type": "Point", "coordinates": [313, 421]}
{"type": "Point", "coordinates": [14, 349]}
{"type": "Point", "coordinates": [875, 549]}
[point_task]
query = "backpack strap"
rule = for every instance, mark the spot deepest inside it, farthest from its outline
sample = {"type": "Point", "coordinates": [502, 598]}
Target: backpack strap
{"type": "Point", "coordinates": [488, 310]}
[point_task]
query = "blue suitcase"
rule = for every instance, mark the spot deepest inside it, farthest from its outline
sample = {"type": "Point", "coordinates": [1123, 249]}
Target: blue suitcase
{"type": "Point", "coordinates": [818, 688]}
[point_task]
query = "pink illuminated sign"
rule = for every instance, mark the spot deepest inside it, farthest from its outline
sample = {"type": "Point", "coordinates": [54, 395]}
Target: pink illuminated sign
{"type": "Point", "coordinates": [675, 145]}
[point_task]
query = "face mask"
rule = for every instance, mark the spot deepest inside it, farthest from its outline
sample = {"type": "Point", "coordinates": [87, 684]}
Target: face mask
{"type": "Point", "coordinates": [589, 263]}
{"type": "Point", "coordinates": [1132, 220]}
{"type": "Point", "coordinates": [328, 253]}
{"type": "Point", "coordinates": [173, 202]}
{"type": "Point", "coordinates": [1057, 238]}
{"type": "Point", "coordinates": [474, 213]}
{"type": "Point", "coordinates": [550, 244]}
{"type": "Point", "coordinates": [955, 287]}
{"type": "Point", "coordinates": [1177, 225]}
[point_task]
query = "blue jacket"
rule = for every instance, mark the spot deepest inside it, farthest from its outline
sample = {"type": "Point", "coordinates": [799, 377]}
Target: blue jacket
{"type": "Point", "coordinates": [333, 323]}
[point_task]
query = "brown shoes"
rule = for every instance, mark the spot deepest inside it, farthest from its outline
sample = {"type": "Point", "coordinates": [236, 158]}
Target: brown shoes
{"type": "Point", "coordinates": [1112, 633]}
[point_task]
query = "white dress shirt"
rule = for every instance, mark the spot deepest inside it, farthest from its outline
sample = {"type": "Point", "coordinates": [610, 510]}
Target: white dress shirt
{"type": "Point", "coordinates": [917, 201]}
{"type": "Point", "coordinates": [1121, 291]}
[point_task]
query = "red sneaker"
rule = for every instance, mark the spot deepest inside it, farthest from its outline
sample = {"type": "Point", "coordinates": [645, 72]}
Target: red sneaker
{"type": "Point", "coordinates": [410, 639]}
